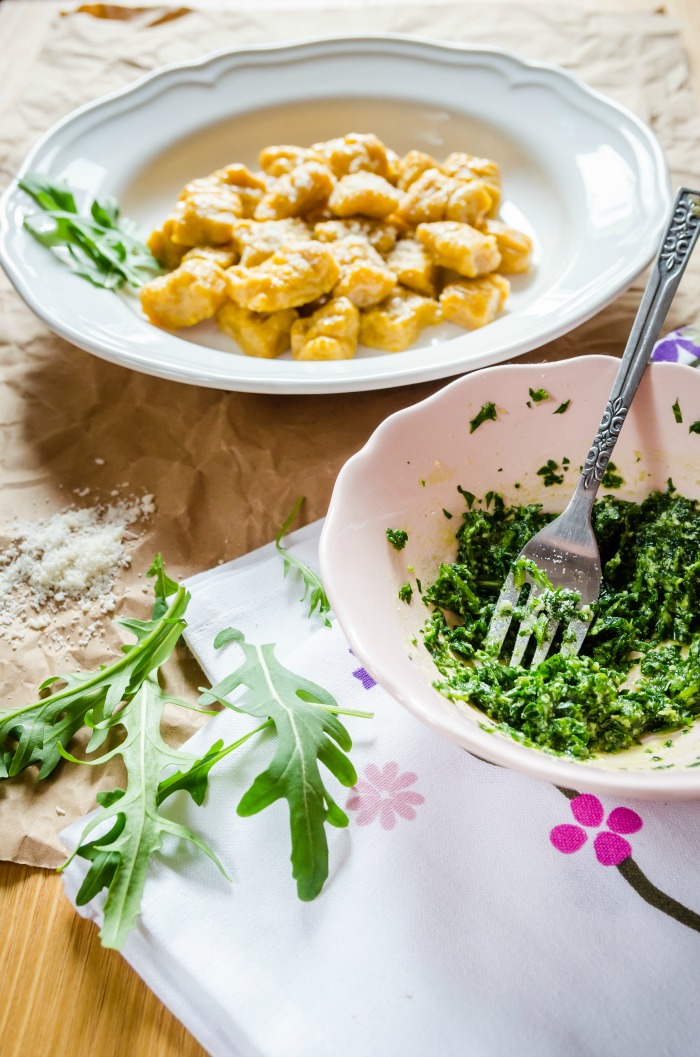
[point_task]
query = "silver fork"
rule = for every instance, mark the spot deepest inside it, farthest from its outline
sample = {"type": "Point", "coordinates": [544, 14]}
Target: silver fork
{"type": "Point", "coordinates": [566, 550]}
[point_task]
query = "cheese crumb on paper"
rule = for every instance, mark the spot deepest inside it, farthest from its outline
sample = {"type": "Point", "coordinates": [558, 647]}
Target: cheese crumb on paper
{"type": "Point", "coordinates": [69, 558]}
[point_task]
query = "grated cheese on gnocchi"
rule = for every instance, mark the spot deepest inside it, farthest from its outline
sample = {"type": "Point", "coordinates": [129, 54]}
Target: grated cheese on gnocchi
{"type": "Point", "coordinates": [339, 242]}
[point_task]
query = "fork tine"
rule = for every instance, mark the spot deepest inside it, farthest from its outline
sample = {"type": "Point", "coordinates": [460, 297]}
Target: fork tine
{"type": "Point", "coordinates": [574, 636]}
{"type": "Point", "coordinates": [525, 630]}
{"type": "Point", "coordinates": [543, 649]}
{"type": "Point", "coordinates": [502, 615]}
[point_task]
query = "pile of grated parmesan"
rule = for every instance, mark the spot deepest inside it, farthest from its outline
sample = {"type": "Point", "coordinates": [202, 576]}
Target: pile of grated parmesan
{"type": "Point", "coordinates": [69, 558]}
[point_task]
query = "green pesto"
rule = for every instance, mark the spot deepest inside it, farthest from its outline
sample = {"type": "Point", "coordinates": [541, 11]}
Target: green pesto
{"type": "Point", "coordinates": [694, 427]}
{"type": "Point", "coordinates": [487, 412]}
{"type": "Point", "coordinates": [612, 479]}
{"type": "Point", "coordinates": [677, 413]}
{"type": "Point", "coordinates": [649, 605]}
{"type": "Point", "coordinates": [397, 538]}
{"type": "Point", "coordinates": [548, 473]}
{"type": "Point", "coordinates": [406, 593]}
{"type": "Point", "coordinates": [537, 395]}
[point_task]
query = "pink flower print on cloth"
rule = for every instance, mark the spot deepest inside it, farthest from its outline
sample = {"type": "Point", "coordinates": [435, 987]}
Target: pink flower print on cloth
{"type": "Point", "coordinates": [610, 845]}
{"type": "Point", "coordinates": [384, 794]}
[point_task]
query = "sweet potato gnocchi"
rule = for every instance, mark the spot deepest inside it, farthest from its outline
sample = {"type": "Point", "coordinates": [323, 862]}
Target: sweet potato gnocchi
{"type": "Point", "coordinates": [334, 244]}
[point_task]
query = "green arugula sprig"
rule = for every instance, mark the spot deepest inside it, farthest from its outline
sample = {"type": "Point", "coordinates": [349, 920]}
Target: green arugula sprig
{"type": "Point", "coordinates": [119, 858]}
{"type": "Point", "coordinates": [313, 587]}
{"type": "Point", "coordinates": [127, 694]}
{"type": "Point", "coordinates": [98, 247]}
{"type": "Point", "coordinates": [37, 732]}
{"type": "Point", "coordinates": [307, 733]}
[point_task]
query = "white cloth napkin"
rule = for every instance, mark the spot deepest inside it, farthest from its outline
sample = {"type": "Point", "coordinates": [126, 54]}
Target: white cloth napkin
{"type": "Point", "coordinates": [457, 921]}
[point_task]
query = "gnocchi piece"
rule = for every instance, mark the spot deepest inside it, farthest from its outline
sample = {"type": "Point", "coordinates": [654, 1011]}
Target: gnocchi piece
{"type": "Point", "coordinates": [460, 247]}
{"type": "Point", "coordinates": [292, 276]}
{"type": "Point", "coordinates": [193, 292]}
{"type": "Point", "coordinates": [249, 186]}
{"type": "Point", "coordinates": [257, 240]}
{"type": "Point", "coordinates": [304, 189]}
{"type": "Point", "coordinates": [205, 217]}
{"type": "Point", "coordinates": [364, 193]}
{"type": "Point", "coordinates": [278, 160]}
{"type": "Point", "coordinates": [396, 323]}
{"type": "Point", "coordinates": [433, 196]}
{"type": "Point", "coordinates": [380, 235]}
{"type": "Point", "coordinates": [413, 165]}
{"type": "Point", "coordinates": [259, 334]}
{"type": "Point", "coordinates": [515, 247]}
{"type": "Point", "coordinates": [414, 267]}
{"type": "Point", "coordinates": [473, 303]}
{"type": "Point", "coordinates": [165, 251]}
{"type": "Point", "coordinates": [469, 167]}
{"type": "Point", "coordinates": [224, 256]}
{"type": "Point", "coordinates": [364, 277]}
{"type": "Point", "coordinates": [329, 334]}
{"type": "Point", "coordinates": [354, 153]}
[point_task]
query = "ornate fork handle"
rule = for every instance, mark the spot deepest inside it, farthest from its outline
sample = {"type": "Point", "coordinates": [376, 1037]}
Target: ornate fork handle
{"type": "Point", "coordinates": [678, 244]}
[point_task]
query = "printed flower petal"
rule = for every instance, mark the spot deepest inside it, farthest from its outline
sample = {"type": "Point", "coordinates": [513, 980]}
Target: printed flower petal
{"type": "Point", "coordinates": [407, 796]}
{"type": "Point", "coordinates": [624, 820]}
{"type": "Point", "coordinates": [353, 803]}
{"type": "Point", "coordinates": [373, 774]}
{"type": "Point", "coordinates": [407, 778]}
{"type": "Point", "coordinates": [368, 812]}
{"type": "Point", "coordinates": [568, 839]}
{"type": "Point", "coordinates": [405, 810]}
{"type": "Point", "coordinates": [610, 849]}
{"type": "Point", "coordinates": [587, 809]}
{"type": "Point", "coordinates": [389, 773]}
{"type": "Point", "coordinates": [387, 817]}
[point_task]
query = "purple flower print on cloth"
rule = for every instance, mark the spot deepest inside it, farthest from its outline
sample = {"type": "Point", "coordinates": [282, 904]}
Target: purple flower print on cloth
{"type": "Point", "coordinates": [384, 794]}
{"type": "Point", "coordinates": [610, 845]}
{"type": "Point", "coordinates": [679, 346]}
{"type": "Point", "coordinates": [363, 675]}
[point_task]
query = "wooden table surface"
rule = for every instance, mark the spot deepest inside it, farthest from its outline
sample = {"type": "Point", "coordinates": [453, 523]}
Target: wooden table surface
{"type": "Point", "coordinates": [63, 995]}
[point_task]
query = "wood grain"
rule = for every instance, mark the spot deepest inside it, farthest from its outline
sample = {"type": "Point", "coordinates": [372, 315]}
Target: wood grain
{"type": "Point", "coordinates": [63, 995]}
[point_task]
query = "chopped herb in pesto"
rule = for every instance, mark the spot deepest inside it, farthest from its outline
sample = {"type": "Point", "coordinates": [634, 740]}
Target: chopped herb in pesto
{"type": "Point", "coordinates": [487, 412]}
{"type": "Point", "coordinates": [447, 514]}
{"type": "Point", "coordinates": [548, 473]}
{"type": "Point", "coordinates": [406, 593]}
{"type": "Point", "coordinates": [397, 538]}
{"type": "Point", "coordinates": [469, 497]}
{"type": "Point", "coordinates": [536, 395]}
{"type": "Point", "coordinates": [612, 479]}
{"type": "Point", "coordinates": [694, 428]}
{"type": "Point", "coordinates": [562, 408]}
{"type": "Point", "coordinates": [676, 408]}
{"type": "Point", "coordinates": [648, 614]}
{"type": "Point", "coordinates": [419, 586]}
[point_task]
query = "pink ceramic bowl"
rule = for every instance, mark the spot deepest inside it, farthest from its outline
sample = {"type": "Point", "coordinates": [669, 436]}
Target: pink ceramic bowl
{"type": "Point", "coordinates": [409, 471]}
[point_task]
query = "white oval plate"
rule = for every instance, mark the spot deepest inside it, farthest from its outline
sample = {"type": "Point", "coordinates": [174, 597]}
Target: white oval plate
{"type": "Point", "coordinates": [584, 176]}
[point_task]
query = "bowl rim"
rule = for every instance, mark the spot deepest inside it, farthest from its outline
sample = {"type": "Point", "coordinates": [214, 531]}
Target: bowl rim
{"type": "Point", "coordinates": [108, 345]}
{"type": "Point", "coordinates": [502, 751]}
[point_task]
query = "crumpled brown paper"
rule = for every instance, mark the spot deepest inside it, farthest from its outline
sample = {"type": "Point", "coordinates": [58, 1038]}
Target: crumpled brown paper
{"type": "Point", "coordinates": [226, 467]}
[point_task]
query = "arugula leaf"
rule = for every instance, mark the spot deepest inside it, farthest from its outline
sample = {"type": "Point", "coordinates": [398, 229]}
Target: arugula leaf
{"type": "Point", "coordinates": [119, 858]}
{"type": "Point", "coordinates": [487, 412]}
{"type": "Point", "coordinates": [306, 734]}
{"type": "Point", "coordinates": [37, 732]}
{"type": "Point", "coordinates": [97, 247]}
{"type": "Point", "coordinates": [313, 587]}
